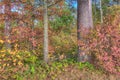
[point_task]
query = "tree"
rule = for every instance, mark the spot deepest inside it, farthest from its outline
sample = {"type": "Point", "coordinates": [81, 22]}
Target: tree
{"type": "Point", "coordinates": [7, 23]}
{"type": "Point", "coordinates": [45, 32]}
{"type": "Point", "coordinates": [101, 12]}
{"type": "Point", "coordinates": [45, 15]}
{"type": "Point", "coordinates": [118, 1]}
{"type": "Point", "coordinates": [84, 23]}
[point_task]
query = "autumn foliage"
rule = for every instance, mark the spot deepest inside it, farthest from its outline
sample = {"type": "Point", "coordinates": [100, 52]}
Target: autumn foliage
{"type": "Point", "coordinates": [103, 42]}
{"type": "Point", "coordinates": [21, 26]}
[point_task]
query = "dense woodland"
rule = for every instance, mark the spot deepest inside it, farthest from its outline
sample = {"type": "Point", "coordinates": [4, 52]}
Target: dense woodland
{"type": "Point", "coordinates": [59, 39]}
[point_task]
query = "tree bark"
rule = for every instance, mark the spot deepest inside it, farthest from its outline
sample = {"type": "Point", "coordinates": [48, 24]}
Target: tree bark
{"type": "Point", "coordinates": [101, 12]}
{"type": "Point", "coordinates": [7, 24]}
{"type": "Point", "coordinates": [84, 23]}
{"type": "Point", "coordinates": [118, 2]}
{"type": "Point", "coordinates": [45, 32]}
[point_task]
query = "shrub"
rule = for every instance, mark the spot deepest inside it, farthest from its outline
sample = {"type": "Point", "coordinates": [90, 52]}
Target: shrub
{"type": "Point", "coordinates": [26, 37]}
{"type": "Point", "coordinates": [64, 45]}
{"type": "Point", "coordinates": [104, 43]}
{"type": "Point", "coordinates": [14, 61]}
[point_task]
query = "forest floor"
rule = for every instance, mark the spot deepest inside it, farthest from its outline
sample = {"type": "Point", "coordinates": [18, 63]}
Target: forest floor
{"type": "Point", "coordinates": [64, 70]}
{"type": "Point", "coordinates": [74, 72]}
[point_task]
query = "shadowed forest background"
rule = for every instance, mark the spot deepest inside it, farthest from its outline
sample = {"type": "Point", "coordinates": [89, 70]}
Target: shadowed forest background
{"type": "Point", "coordinates": [59, 39]}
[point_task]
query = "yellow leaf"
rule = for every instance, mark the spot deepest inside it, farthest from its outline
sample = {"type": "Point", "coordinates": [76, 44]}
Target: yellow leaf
{"type": "Point", "coordinates": [2, 51]}
{"type": "Point", "coordinates": [19, 63]}
{"type": "Point", "coordinates": [1, 41]}
{"type": "Point", "coordinates": [3, 55]}
{"type": "Point", "coordinates": [4, 65]}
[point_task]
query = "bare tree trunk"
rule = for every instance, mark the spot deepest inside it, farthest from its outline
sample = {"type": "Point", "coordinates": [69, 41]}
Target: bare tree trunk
{"type": "Point", "coordinates": [7, 24]}
{"type": "Point", "coordinates": [101, 12]}
{"type": "Point", "coordinates": [45, 32]}
{"type": "Point", "coordinates": [118, 2]}
{"type": "Point", "coordinates": [95, 12]}
{"type": "Point", "coordinates": [85, 22]}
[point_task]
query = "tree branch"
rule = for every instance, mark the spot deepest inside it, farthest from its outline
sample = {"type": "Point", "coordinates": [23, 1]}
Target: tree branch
{"type": "Point", "coordinates": [54, 3]}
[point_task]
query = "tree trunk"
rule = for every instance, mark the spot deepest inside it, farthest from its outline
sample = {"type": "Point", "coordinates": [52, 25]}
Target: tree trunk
{"type": "Point", "coordinates": [84, 23]}
{"type": "Point", "coordinates": [7, 24]}
{"type": "Point", "coordinates": [95, 10]}
{"type": "Point", "coordinates": [118, 2]}
{"type": "Point", "coordinates": [101, 12]}
{"type": "Point", "coordinates": [45, 32]}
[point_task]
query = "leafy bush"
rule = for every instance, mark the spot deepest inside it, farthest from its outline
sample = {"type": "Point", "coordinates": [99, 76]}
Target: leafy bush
{"type": "Point", "coordinates": [26, 37]}
{"type": "Point", "coordinates": [14, 61]}
{"type": "Point", "coordinates": [64, 45]}
{"type": "Point", "coordinates": [53, 70]}
{"type": "Point", "coordinates": [104, 43]}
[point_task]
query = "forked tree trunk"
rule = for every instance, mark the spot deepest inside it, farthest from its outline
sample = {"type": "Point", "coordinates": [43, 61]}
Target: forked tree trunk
{"type": "Point", "coordinates": [84, 23]}
{"type": "Point", "coordinates": [45, 32]}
